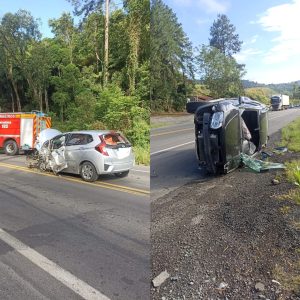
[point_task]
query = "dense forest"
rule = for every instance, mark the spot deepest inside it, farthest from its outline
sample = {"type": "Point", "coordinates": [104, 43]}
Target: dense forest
{"type": "Point", "coordinates": [68, 75]}
{"type": "Point", "coordinates": [172, 68]}
{"type": "Point", "coordinates": [175, 61]}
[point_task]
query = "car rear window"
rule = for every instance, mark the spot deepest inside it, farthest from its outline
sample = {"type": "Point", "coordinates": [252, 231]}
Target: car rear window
{"type": "Point", "coordinates": [79, 139]}
{"type": "Point", "coordinates": [115, 139]}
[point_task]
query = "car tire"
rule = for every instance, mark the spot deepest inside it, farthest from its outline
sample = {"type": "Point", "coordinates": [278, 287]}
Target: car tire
{"type": "Point", "coordinates": [11, 147]}
{"type": "Point", "coordinates": [122, 174]}
{"type": "Point", "coordinates": [88, 172]}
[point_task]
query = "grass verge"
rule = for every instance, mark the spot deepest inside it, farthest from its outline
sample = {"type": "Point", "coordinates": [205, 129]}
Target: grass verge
{"type": "Point", "coordinates": [142, 155]}
{"type": "Point", "coordinates": [288, 274]}
{"type": "Point", "coordinates": [293, 172]}
{"type": "Point", "coordinates": [283, 275]}
{"type": "Point", "coordinates": [291, 136]}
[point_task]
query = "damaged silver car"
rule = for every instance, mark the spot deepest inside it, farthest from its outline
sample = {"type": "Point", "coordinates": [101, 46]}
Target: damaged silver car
{"type": "Point", "coordinates": [88, 153]}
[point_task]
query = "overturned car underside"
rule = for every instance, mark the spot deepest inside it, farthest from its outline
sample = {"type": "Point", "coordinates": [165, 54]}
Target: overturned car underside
{"type": "Point", "coordinates": [227, 128]}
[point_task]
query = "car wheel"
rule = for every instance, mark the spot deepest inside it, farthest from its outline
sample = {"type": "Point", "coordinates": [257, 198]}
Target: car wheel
{"type": "Point", "coordinates": [88, 172]}
{"type": "Point", "coordinates": [122, 174]}
{"type": "Point", "coordinates": [11, 148]}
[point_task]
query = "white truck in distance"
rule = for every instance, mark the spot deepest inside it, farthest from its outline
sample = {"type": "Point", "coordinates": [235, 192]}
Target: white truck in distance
{"type": "Point", "coordinates": [279, 102]}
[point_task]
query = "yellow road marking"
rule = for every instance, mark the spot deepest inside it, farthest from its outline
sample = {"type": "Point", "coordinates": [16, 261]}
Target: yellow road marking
{"type": "Point", "coordinates": [105, 185]}
{"type": "Point", "coordinates": [168, 132]}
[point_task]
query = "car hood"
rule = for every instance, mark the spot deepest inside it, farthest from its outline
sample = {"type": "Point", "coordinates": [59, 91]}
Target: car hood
{"type": "Point", "coordinates": [45, 135]}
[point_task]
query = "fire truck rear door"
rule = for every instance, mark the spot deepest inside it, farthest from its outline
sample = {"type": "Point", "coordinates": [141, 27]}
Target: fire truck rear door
{"type": "Point", "coordinates": [26, 133]}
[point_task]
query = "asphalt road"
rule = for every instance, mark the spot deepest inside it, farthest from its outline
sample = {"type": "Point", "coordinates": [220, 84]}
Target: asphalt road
{"type": "Point", "coordinates": [173, 158]}
{"type": "Point", "coordinates": [62, 238]}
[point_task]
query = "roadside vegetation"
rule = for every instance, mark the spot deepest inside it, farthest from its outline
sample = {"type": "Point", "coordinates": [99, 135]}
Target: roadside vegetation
{"type": "Point", "coordinates": [291, 136]}
{"type": "Point", "coordinates": [261, 94]}
{"type": "Point", "coordinates": [67, 76]}
{"type": "Point", "coordinates": [288, 275]}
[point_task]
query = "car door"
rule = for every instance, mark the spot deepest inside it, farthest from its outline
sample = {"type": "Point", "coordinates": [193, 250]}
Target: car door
{"type": "Point", "coordinates": [58, 149]}
{"type": "Point", "coordinates": [76, 148]}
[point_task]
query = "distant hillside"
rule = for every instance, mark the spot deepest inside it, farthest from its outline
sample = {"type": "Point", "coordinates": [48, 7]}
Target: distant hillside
{"type": "Point", "coordinates": [281, 88]}
{"type": "Point", "coordinates": [261, 94]}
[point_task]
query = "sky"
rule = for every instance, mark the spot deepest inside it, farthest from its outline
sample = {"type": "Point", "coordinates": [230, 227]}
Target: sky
{"type": "Point", "coordinates": [269, 29]}
{"type": "Point", "coordinates": [39, 9]}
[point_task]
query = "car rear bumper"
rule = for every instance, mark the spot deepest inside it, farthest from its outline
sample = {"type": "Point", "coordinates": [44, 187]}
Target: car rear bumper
{"type": "Point", "coordinates": [115, 167]}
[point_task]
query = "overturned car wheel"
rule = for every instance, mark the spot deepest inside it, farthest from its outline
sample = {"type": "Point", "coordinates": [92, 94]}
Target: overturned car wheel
{"type": "Point", "coordinates": [88, 172]}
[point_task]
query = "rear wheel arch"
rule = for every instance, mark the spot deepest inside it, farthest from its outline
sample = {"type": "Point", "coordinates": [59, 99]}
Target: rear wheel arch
{"type": "Point", "coordinates": [88, 171]}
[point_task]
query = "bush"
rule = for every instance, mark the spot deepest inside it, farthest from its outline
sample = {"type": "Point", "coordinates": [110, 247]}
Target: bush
{"type": "Point", "coordinates": [121, 112]}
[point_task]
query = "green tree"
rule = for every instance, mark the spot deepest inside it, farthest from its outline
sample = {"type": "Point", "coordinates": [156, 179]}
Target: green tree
{"type": "Point", "coordinates": [38, 68]}
{"type": "Point", "coordinates": [65, 32]}
{"type": "Point", "coordinates": [138, 25]}
{"type": "Point", "coordinates": [221, 74]}
{"type": "Point", "coordinates": [67, 87]}
{"type": "Point", "coordinates": [171, 59]}
{"type": "Point", "coordinates": [17, 32]}
{"type": "Point", "coordinates": [223, 36]}
{"type": "Point", "coordinates": [85, 7]}
{"type": "Point", "coordinates": [296, 91]}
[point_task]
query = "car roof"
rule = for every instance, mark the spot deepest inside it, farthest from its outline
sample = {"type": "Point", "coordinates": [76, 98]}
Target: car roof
{"type": "Point", "coordinates": [98, 132]}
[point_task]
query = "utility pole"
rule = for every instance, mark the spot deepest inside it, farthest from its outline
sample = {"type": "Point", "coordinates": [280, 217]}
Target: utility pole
{"type": "Point", "coordinates": [106, 42]}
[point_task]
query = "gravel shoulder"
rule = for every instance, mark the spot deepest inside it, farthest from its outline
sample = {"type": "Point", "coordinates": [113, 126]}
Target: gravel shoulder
{"type": "Point", "coordinates": [228, 237]}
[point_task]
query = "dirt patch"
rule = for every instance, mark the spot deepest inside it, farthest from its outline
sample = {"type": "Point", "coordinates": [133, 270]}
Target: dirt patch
{"type": "Point", "coordinates": [228, 238]}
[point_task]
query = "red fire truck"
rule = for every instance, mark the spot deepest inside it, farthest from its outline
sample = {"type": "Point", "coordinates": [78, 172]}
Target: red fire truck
{"type": "Point", "coordinates": [18, 131]}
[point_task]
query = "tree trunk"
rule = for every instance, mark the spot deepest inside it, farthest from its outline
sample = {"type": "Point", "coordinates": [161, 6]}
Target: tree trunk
{"type": "Point", "coordinates": [12, 100]}
{"type": "Point", "coordinates": [134, 42]}
{"type": "Point", "coordinates": [46, 100]}
{"type": "Point", "coordinates": [15, 87]}
{"type": "Point", "coordinates": [40, 96]}
{"type": "Point", "coordinates": [106, 33]}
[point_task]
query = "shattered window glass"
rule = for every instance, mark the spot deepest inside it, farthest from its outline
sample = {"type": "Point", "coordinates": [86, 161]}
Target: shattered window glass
{"type": "Point", "coordinates": [58, 141]}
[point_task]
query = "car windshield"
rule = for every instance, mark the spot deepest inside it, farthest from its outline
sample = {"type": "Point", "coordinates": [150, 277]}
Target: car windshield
{"type": "Point", "coordinates": [275, 99]}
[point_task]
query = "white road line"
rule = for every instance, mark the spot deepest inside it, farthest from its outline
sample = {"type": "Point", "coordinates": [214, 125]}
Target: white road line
{"type": "Point", "coordinates": [135, 170]}
{"type": "Point", "coordinates": [75, 284]}
{"type": "Point", "coordinates": [167, 149]}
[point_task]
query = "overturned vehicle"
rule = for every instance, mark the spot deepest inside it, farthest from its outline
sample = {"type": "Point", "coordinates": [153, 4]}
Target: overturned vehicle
{"type": "Point", "coordinates": [227, 128]}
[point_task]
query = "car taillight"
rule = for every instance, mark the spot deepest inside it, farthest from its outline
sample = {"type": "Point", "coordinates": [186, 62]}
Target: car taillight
{"type": "Point", "coordinates": [102, 149]}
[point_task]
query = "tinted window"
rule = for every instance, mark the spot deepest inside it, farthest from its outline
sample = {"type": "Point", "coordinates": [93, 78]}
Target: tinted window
{"type": "Point", "coordinates": [79, 139]}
